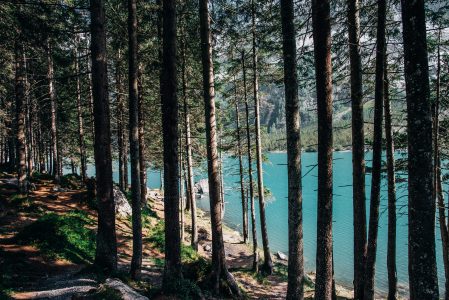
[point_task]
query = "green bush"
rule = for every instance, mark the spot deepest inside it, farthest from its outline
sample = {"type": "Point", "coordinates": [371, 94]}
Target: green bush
{"type": "Point", "coordinates": [72, 181]}
{"type": "Point", "coordinates": [66, 236]}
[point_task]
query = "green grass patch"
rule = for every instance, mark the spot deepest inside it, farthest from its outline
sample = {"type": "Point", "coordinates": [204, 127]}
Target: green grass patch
{"type": "Point", "coordinates": [41, 176]}
{"type": "Point", "coordinates": [62, 236]}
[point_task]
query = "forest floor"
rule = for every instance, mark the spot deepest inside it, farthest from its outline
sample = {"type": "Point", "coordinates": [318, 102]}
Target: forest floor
{"type": "Point", "coordinates": [29, 270]}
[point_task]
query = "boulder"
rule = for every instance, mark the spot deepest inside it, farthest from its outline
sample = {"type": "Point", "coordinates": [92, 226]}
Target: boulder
{"type": "Point", "coordinates": [122, 207]}
{"type": "Point", "coordinates": [281, 256]}
{"type": "Point", "coordinates": [207, 248]}
{"type": "Point", "coordinates": [126, 292]}
{"type": "Point", "coordinates": [154, 194]}
{"type": "Point", "coordinates": [202, 186]}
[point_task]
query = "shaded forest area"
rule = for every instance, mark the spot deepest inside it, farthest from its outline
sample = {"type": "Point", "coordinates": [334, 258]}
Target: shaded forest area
{"type": "Point", "coordinates": [114, 88]}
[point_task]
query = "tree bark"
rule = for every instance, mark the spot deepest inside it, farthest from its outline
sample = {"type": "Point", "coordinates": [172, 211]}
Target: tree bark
{"type": "Point", "coordinates": [242, 180]}
{"type": "Point", "coordinates": [81, 142]}
{"type": "Point", "coordinates": [358, 149]}
{"type": "Point", "coordinates": [20, 70]}
{"type": "Point", "coordinates": [106, 251]}
{"type": "Point", "coordinates": [295, 288]}
{"type": "Point", "coordinates": [172, 271]}
{"type": "Point", "coordinates": [188, 144]}
{"type": "Point", "coordinates": [250, 172]}
{"type": "Point", "coordinates": [391, 246]}
{"type": "Point", "coordinates": [268, 264]}
{"type": "Point", "coordinates": [437, 165]}
{"type": "Point", "coordinates": [423, 278]}
{"type": "Point", "coordinates": [377, 153]}
{"type": "Point", "coordinates": [121, 136]}
{"type": "Point", "coordinates": [136, 262]}
{"type": "Point", "coordinates": [54, 112]}
{"type": "Point", "coordinates": [220, 278]}
{"type": "Point", "coordinates": [143, 169]}
{"type": "Point", "coordinates": [323, 70]}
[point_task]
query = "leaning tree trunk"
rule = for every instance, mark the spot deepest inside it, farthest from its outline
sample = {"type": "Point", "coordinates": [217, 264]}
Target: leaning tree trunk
{"type": "Point", "coordinates": [172, 271]}
{"type": "Point", "coordinates": [377, 153]}
{"type": "Point", "coordinates": [54, 111]}
{"type": "Point", "coordinates": [323, 70]}
{"type": "Point", "coordinates": [106, 252]}
{"type": "Point", "coordinates": [20, 116]}
{"type": "Point", "coordinates": [136, 261]}
{"type": "Point", "coordinates": [188, 143]}
{"type": "Point", "coordinates": [220, 278]}
{"type": "Point", "coordinates": [250, 173]}
{"type": "Point", "coordinates": [295, 288]}
{"type": "Point", "coordinates": [423, 278]}
{"type": "Point", "coordinates": [391, 247]}
{"type": "Point", "coordinates": [358, 149]}
{"type": "Point", "coordinates": [81, 142]}
{"type": "Point", "coordinates": [268, 264]}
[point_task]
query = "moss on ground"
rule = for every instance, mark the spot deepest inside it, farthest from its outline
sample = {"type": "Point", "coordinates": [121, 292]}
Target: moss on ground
{"type": "Point", "coordinates": [62, 236]}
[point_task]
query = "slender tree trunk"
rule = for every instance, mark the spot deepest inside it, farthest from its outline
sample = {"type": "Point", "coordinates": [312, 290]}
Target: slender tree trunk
{"type": "Point", "coordinates": [423, 278]}
{"type": "Point", "coordinates": [172, 271]}
{"type": "Point", "coordinates": [54, 111]}
{"type": "Point", "coordinates": [295, 289]}
{"type": "Point", "coordinates": [220, 278]}
{"type": "Point", "coordinates": [181, 189]}
{"type": "Point", "coordinates": [250, 172]}
{"type": "Point", "coordinates": [377, 153]}
{"type": "Point", "coordinates": [268, 264]}
{"type": "Point", "coordinates": [190, 176]}
{"type": "Point", "coordinates": [391, 247]}
{"type": "Point", "coordinates": [81, 142]}
{"type": "Point", "coordinates": [106, 252]}
{"type": "Point", "coordinates": [136, 262]}
{"type": "Point", "coordinates": [20, 116]}
{"type": "Point", "coordinates": [358, 149]}
{"type": "Point", "coordinates": [143, 169]}
{"type": "Point", "coordinates": [437, 165]}
{"type": "Point", "coordinates": [242, 180]}
{"type": "Point", "coordinates": [121, 137]}
{"type": "Point", "coordinates": [323, 71]}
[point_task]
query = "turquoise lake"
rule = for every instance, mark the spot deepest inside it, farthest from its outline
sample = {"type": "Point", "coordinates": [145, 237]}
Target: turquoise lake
{"type": "Point", "coordinates": [275, 179]}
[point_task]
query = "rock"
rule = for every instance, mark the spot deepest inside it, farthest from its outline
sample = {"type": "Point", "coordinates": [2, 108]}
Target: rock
{"type": "Point", "coordinates": [122, 207]}
{"type": "Point", "coordinates": [207, 248]}
{"type": "Point", "coordinates": [281, 256]}
{"type": "Point", "coordinates": [202, 186]}
{"type": "Point", "coordinates": [125, 291]}
{"type": "Point", "coordinates": [154, 194]}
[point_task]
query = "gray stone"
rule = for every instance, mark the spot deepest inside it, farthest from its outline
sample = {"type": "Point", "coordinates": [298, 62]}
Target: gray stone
{"type": "Point", "coordinates": [125, 291]}
{"type": "Point", "coordinates": [122, 207]}
{"type": "Point", "coordinates": [281, 256]}
{"type": "Point", "coordinates": [202, 186]}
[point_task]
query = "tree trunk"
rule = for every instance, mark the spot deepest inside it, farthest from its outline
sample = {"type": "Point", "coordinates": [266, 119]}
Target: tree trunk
{"type": "Point", "coordinates": [437, 165]}
{"type": "Point", "coordinates": [172, 271]}
{"type": "Point", "coordinates": [181, 189]}
{"type": "Point", "coordinates": [20, 116]}
{"type": "Point", "coordinates": [190, 176]}
{"type": "Point", "coordinates": [295, 288]}
{"type": "Point", "coordinates": [220, 278]}
{"type": "Point", "coordinates": [250, 173]}
{"type": "Point", "coordinates": [242, 181]}
{"type": "Point", "coordinates": [81, 142]}
{"type": "Point", "coordinates": [391, 247]}
{"type": "Point", "coordinates": [54, 111]}
{"type": "Point", "coordinates": [106, 252]}
{"type": "Point", "coordinates": [136, 262]}
{"type": "Point", "coordinates": [143, 169]}
{"type": "Point", "coordinates": [358, 149]}
{"type": "Point", "coordinates": [268, 264]}
{"type": "Point", "coordinates": [323, 71]}
{"type": "Point", "coordinates": [423, 278]}
{"type": "Point", "coordinates": [377, 153]}
{"type": "Point", "coordinates": [121, 136]}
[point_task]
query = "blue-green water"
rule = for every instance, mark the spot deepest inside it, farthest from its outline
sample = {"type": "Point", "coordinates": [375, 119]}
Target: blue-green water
{"type": "Point", "coordinates": [275, 179]}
